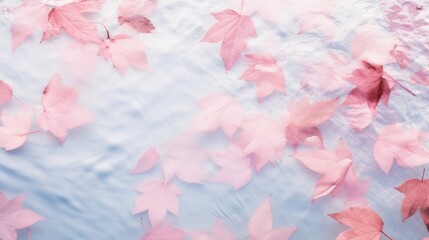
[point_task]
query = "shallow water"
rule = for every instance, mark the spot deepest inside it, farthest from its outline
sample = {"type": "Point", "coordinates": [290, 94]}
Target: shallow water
{"type": "Point", "coordinates": [83, 188]}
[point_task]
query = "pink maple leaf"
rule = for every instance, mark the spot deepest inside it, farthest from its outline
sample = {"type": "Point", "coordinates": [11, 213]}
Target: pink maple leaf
{"type": "Point", "coordinates": [333, 165]}
{"type": "Point", "coordinates": [302, 120]}
{"type": "Point", "coordinates": [267, 75]}
{"type": "Point", "coordinates": [69, 18]}
{"type": "Point", "coordinates": [149, 159]}
{"type": "Point", "coordinates": [6, 92]}
{"type": "Point", "coordinates": [54, 19]}
{"type": "Point", "coordinates": [416, 198]}
{"type": "Point", "coordinates": [421, 77]}
{"type": "Point", "coordinates": [404, 146]}
{"type": "Point", "coordinates": [164, 232]}
{"type": "Point", "coordinates": [261, 225]}
{"type": "Point", "coordinates": [123, 51]}
{"type": "Point", "coordinates": [262, 138]}
{"type": "Point", "coordinates": [220, 231]}
{"type": "Point", "coordinates": [132, 13]}
{"type": "Point", "coordinates": [13, 217]}
{"type": "Point", "coordinates": [60, 110]}
{"type": "Point", "coordinates": [185, 159]}
{"type": "Point", "coordinates": [364, 222]}
{"type": "Point", "coordinates": [26, 18]}
{"type": "Point", "coordinates": [219, 110]}
{"type": "Point", "coordinates": [235, 167]}
{"type": "Point", "coordinates": [14, 131]}
{"type": "Point", "coordinates": [233, 29]}
{"type": "Point", "coordinates": [327, 74]}
{"type": "Point", "coordinates": [157, 198]}
{"type": "Point", "coordinates": [311, 22]}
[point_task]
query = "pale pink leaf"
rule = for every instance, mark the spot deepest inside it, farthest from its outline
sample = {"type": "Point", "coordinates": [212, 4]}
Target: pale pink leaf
{"type": "Point", "coordinates": [404, 146]}
{"type": "Point", "coordinates": [60, 109]}
{"type": "Point", "coordinates": [158, 198]}
{"type": "Point", "coordinates": [266, 73]}
{"type": "Point", "coordinates": [261, 225]}
{"type": "Point", "coordinates": [14, 131]}
{"type": "Point", "coordinates": [359, 116]}
{"type": "Point", "coordinates": [5, 92]}
{"type": "Point", "coordinates": [123, 51]}
{"type": "Point", "coordinates": [149, 159]}
{"type": "Point", "coordinates": [220, 231]}
{"type": "Point", "coordinates": [262, 138]}
{"type": "Point", "coordinates": [132, 13]}
{"type": "Point", "coordinates": [219, 110]}
{"type": "Point", "coordinates": [233, 30]}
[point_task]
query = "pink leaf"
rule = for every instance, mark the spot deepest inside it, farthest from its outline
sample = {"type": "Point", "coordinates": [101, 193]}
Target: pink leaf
{"type": "Point", "coordinates": [157, 198]}
{"type": "Point", "coordinates": [317, 22]}
{"type": "Point", "coordinates": [13, 217]}
{"type": "Point", "coordinates": [26, 18]}
{"type": "Point", "coordinates": [261, 225]}
{"type": "Point", "coordinates": [233, 30]}
{"type": "Point", "coordinates": [370, 46]}
{"type": "Point", "coordinates": [303, 118]}
{"type": "Point", "coordinates": [333, 165]}
{"type": "Point", "coordinates": [60, 110]}
{"type": "Point", "coordinates": [359, 116]}
{"type": "Point", "coordinates": [219, 110]}
{"type": "Point", "coordinates": [421, 77]}
{"type": "Point", "coordinates": [123, 51]}
{"type": "Point", "coordinates": [416, 198]}
{"type": "Point", "coordinates": [220, 231]}
{"type": "Point", "coordinates": [235, 167]}
{"type": "Point", "coordinates": [5, 92]}
{"type": "Point", "coordinates": [164, 232]}
{"type": "Point", "coordinates": [149, 159]}
{"type": "Point", "coordinates": [364, 222]}
{"type": "Point", "coordinates": [14, 131]}
{"type": "Point", "coordinates": [69, 18]}
{"type": "Point", "coordinates": [267, 75]}
{"type": "Point", "coordinates": [132, 13]}
{"type": "Point", "coordinates": [185, 160]}
{"type": "Point", "coordinates": [262, 138]}
{"type": "Point", "coordinates": [393, 143]}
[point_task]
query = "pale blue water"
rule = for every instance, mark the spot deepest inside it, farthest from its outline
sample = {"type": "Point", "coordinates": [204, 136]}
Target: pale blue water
{"type": "Point", "coordinates": [83, 188]}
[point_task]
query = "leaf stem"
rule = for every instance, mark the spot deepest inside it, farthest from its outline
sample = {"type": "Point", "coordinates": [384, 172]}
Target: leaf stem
{"type": "Point", "coordinates": [386, 235]}
{"type": "Point", "coordinates": [29, 234]}
{"type": "Point", "coordinates": [423, 175]}
{"type": "Point", "coordinates": [241, 7]}
{"type": "Point", "coordinates": [33, 132]}
{"type": "Point", "coordinates": [19, 100]}
{"type": "Point", "coordinates": [396, 81]}
{"type": "Point", "coordinates": [105, 28]}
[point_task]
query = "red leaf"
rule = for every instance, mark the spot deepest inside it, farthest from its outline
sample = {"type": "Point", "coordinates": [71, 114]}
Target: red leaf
{"type": "Point", "coordinates": [262, 138]}
{"type": "Point", "coordinates": [132, 14]}
{"type": "Point", "coordinates": [269, 76]}
{"type": "Point", "coordinates": [157, 198]}
{"type": "Point", "coordinates": [60, 110]}
{"type": "Point", "coordinates": [393, 143]}
{"type": "Point", "coordinates": [371, 86]}
{"type": "Point", "coordinates": [15, 129]}
{"type": "Point", "coordinates": [416, 198]}
{"type": "Point", "coordinates": [303, 118]}
{"type": "Point", "coordinates": [261, 225]}
{"type": "Point", "coordinates": [233, 30]}
{"type": "Point", "coordinates": [5, 92]}
{"type": "Point", "coordinates": [364, 222]}
{"type": "Point", "coordinates": [219, 110]}
{"type": "Point", "coordinates": [123, 51]}
{"type": "Point", "coordinates": [149, 159]}
{"type": "Point", "coordinates": [14, 217]}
